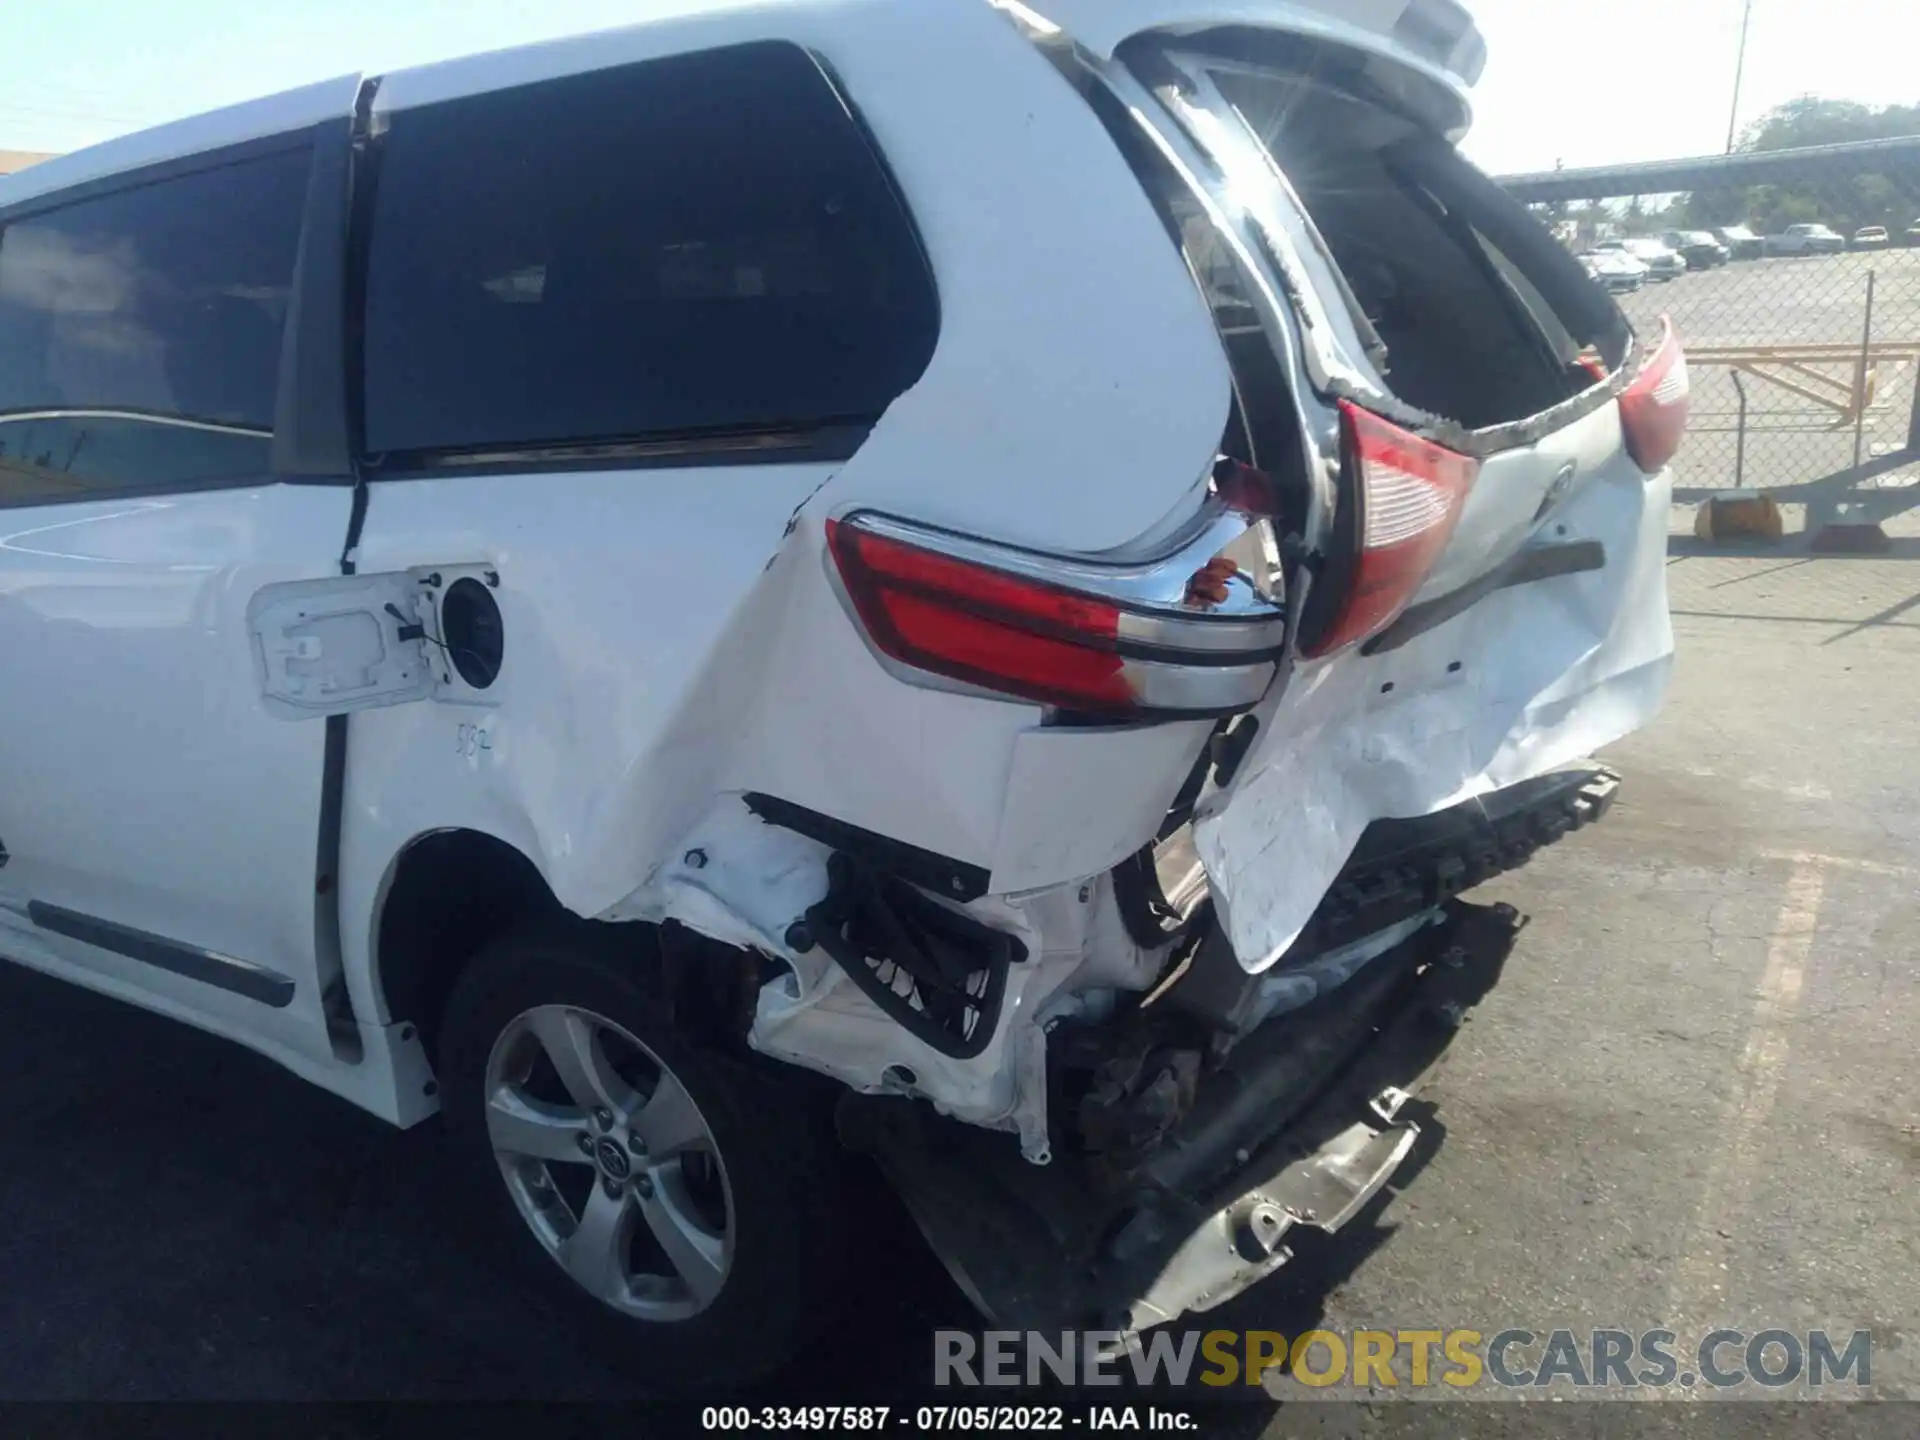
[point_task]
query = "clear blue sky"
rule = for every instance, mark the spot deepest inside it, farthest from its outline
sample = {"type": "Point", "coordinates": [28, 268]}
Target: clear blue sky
{"type": "Point", "coordinates": [1584, 81]}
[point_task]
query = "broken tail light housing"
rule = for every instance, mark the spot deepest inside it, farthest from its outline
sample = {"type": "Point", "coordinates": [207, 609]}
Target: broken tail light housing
{"type": "Point", "coordinates": [1406, 494]}
{"type": "Point", "coordinates": [1122, 641]}
{"type": "Point", "coordinates": [1653, 409]}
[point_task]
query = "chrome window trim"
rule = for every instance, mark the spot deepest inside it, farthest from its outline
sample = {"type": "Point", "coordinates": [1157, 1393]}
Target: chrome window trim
{"type": "Point", "coordinates": [145, 417]}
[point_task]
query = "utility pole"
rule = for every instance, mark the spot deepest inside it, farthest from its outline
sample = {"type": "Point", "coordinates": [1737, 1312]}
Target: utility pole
{"type": "Point", "coordinates": [1739, 71]}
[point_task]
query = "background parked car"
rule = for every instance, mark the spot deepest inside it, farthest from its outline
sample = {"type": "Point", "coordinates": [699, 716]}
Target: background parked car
{"type": "Point", "coordinates": [1742, 242]}
{"type": "Point", "coordinates": [1806, 240]}
{"type": "Point", "coordinates": [1615, 270]}
{"type": "Point", "coordinates": [1871, 237]}
{"type": "Point", "coordinates": [1661, 262]}
{"type": "Point", "coordinates": [1700, 250]}
{"type": "Point", "coordinates": [1913, 233]}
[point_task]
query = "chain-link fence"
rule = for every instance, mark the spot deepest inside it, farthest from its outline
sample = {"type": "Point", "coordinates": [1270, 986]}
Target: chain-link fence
{"type": "Point", "coordinates": [1799, 306]}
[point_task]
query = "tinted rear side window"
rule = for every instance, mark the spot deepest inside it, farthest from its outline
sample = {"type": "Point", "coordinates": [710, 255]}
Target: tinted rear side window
{"type": "Point", "coordinates": [687, 247]}
{"type": "Point", "coordinates": [140, 332]}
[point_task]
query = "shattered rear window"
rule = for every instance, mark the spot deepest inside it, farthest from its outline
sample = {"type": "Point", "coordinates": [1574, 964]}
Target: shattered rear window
{"type": "Point", "coordinates": [1460, 338]}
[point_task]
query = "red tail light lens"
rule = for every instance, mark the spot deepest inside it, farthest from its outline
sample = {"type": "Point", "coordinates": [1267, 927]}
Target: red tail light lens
{"type": "Point", "coordinates": [1653, 409]}
{"type": "Point", "coordinates": [1409, 494]}
{"type": "Point", "coordinates": [1002, 632]}
{"type": "Point", "coordinates": [1015, 635]}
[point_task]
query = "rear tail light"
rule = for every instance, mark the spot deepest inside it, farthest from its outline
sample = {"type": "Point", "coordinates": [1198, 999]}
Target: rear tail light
{"type": "Point", "coordinates": [1653, 409]}
{"type": "Point", "coordinates": [1112, 641]}
{"type": "Point", "coordinates": [1408, 493]}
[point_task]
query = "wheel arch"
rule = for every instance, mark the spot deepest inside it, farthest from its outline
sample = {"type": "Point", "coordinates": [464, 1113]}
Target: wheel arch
{"type": "Point", "coordinates": [446, 893]}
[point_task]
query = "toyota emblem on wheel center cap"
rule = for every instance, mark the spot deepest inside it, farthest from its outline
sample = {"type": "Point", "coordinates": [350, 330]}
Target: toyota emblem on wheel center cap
{"type": "Point", "coordinates": [613, 1160]}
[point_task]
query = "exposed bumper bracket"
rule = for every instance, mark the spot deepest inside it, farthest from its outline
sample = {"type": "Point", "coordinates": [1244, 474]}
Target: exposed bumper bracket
{"type": "Point", "coordinates": [1072, 1246]}
{"type": "Point", "coordinates": [1241, 1244]}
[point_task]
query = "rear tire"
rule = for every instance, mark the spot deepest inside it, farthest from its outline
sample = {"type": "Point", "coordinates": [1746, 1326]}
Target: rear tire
{"type": "Point", "coordinates": [690, 1206]}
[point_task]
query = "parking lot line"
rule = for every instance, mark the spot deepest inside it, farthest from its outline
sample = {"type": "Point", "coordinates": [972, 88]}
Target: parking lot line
{"type": "Point", "coordinates": [1694, 1294]}
{"type": "Point", "coordinates": [1840, 862]}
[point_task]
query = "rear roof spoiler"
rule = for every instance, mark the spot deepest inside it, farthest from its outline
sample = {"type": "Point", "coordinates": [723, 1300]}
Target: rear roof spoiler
{"type": "Point", "coordinates": [1429, 52]}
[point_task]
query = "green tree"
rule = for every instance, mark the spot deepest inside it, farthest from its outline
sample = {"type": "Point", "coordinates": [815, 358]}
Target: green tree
{"type": "Point", "coordinates": [1811, 120]}
{"type": "Point", "coordinates": [1705, 209]}
{"type": "Point", "coordinates": [1844, 202]}
{"type": "Point", "coordinates": [1666, 214]}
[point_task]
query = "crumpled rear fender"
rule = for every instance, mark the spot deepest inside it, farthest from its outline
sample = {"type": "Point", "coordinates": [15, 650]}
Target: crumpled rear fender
{"type": "Point", "coordinates": [1523, 681]}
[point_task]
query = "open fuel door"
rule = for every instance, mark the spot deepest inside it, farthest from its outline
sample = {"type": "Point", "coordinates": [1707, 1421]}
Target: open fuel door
{"type": "Point", "coordinates": [329, 647]}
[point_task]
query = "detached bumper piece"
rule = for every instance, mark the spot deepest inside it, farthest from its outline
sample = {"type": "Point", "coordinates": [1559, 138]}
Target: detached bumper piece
{"type": "Point", "coordinates": [1401, 867]}
{"type": "Point", "coordinates": [1095, 1241]}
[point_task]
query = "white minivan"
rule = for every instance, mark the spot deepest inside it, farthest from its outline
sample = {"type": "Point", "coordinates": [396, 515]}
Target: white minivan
{"type": "Point", "coordinates": [956, 580]}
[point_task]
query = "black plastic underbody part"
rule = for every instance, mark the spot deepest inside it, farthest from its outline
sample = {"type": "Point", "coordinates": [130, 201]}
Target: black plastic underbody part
{"type": "Point", "coordinates": [1229, 747]}
{"type": "Point", "coordinates": [1177, 1195]}
{"type": "Point", "coordinates": [924, 868]}
{"type": "Point", "coordinates": [1401, 867]}
{"type": "Point", "coordinates": [939, 974]}
{"type": "Point", "coordinates": [1078, 1243]}
{"type": "Point", "coordinates": [1151, 917]}
{"type": "Point", "coordinates": [1155, 888]}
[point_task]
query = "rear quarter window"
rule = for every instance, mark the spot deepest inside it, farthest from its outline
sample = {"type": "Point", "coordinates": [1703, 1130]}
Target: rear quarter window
{"type": "Point", "coordinates": [697, 246]}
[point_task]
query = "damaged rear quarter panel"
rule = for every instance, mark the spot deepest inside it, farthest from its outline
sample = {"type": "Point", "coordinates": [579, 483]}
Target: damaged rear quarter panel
{"type": "Point", "coordinates": [672, 640]}
{"type": "Point", "coordinates": [1079, 802]}
{"type": "Point", "coordinates": [625, 686]}
{"type": "Point", "coordinates": [1547, 672]}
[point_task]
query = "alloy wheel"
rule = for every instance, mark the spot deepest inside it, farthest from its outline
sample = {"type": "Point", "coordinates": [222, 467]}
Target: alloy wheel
{"type": "Point", "coordinates": [610, 1162]}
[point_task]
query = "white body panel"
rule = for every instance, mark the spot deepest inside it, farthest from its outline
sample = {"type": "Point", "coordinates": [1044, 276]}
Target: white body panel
{"type": "Point", "coordinates": [142, 782]}
{"type": "Point", "coordinates": [251, 120]}
{"type": "Point", "coordinates": [674, 641]}
{"type": "Point", "coordinates": [634, 697]}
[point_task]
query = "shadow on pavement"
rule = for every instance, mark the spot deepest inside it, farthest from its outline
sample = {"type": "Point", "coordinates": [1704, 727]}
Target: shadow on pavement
{"type": "Point", "coordinates": [179, 1219]}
